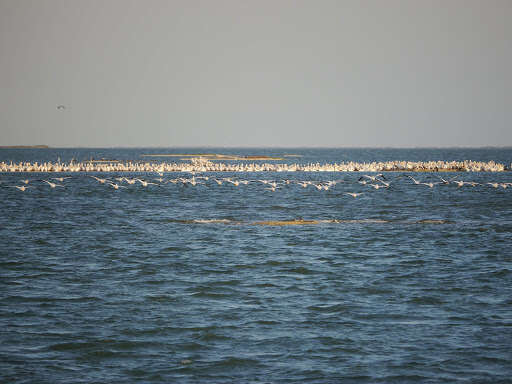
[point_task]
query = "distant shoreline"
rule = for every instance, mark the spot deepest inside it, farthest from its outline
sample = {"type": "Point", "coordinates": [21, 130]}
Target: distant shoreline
{"type": "Point", "coordinates": [23, 146]}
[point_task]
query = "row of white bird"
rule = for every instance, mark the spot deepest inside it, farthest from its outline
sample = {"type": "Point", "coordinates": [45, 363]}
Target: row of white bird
{"type": "Point", "coordinates": [376, 182]}
{"type": "Point", "coordinates": [198, 164]}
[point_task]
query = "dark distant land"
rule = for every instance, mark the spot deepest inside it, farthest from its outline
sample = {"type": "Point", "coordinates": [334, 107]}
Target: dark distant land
{"type": "Point", "coordinates": [23, 146]}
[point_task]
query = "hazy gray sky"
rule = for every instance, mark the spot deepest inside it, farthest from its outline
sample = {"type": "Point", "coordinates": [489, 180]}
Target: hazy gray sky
{"type": "Point", "coordinates": [256, 73]}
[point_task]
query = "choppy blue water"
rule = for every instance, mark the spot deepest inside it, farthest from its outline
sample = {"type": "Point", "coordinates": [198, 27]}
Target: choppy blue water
{"type": "Point", "coordinates": [177, 284]}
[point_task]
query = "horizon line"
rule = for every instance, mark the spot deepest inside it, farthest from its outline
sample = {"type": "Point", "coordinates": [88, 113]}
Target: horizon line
{"type": "Point", "coordinates": [44, 146]}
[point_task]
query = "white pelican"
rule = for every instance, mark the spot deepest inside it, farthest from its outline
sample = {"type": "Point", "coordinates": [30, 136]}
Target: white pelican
{"type": "Point", "coordinates": [116, 186]}
{"type": "Point", "coordinates": [23, 188]}
{"type": "Point", "coordinates": [386, 183]}
{"type": "Point", "coordinates": [321, 186]}
{"type": "Point", "coordinates": [377, 186]}
{"type": "Point", "coordinates": [52, 185]}
{"type": "Point", "coordinates": [430, 185]}
{"type": "Point", "coordinates": [102, 181]}
{"type": "Point", "coordinates": [353, 194]}
{"type": "Point", "coordinates": [414, 180]}
{"type": "Point", "coordinates": [61, 179]}
{"type": "Point", "coordinates": [459, 183]}
{"type": "Point", "coordinates": [443, 181]}
{"type": "Point", "coordinates": [26, 181]}
{"type": "Point", "coordinates": [145, 183]}
{"type": "Point", "coordinates": [373, 177]}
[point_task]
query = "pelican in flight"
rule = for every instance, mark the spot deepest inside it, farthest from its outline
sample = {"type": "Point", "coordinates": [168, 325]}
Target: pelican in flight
{"type": "Point", "coordinates": [23, 188]}
{"type": "Point", "coordinates": [193, 181]}
{"type": "Point", "coordinates": [443, 181]}
{"type": "Point", "coordinates": [414, 180]}
{"type": "Point", "coordinates": [116, 186]}
{"type": "Point", "coordinates": [494, 185]}
{"type": "Point", "coordinates": [145, 183]}
{"type": "Point", "coordinates": [386, 183]}
{"type": "Point", "coordinates": [26, 181]}
{"type": "Point", "coordinates": [461, 183]}
{"type": "Point", "coordinates": [431, 185]}
{"type": "Point", "coordinates": [377, 186]}
{"type": "Point", "coordinates": [101, 181]}
{"type": "Point", "coordinates": [52, 185]}
{"type": "Point", "coordinates": [236, 183]}
{"type": "Point", "coordinates": [373, 177]}
{"type": "Point", "coordinates": [61, 179]}
{"type": "Point", "coordinates": [353, 194]}
{"type": "Point", "coordinates": [304, 184]}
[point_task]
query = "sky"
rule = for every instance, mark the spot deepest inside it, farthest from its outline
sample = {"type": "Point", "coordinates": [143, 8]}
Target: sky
{"type": "Point", "coordinates": [260, 73]}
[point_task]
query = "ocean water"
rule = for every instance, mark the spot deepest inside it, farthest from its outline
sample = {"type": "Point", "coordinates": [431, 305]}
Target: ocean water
{"type": "Point", "coordinates": [177, 283]}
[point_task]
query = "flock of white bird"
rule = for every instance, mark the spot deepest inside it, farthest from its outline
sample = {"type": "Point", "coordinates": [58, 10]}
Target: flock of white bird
{"type": "Point", "coordinates": [205, 165]}
{"type": "Point", "coordinates": [373, 181]}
